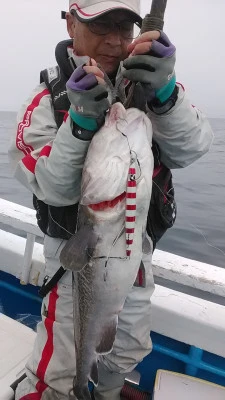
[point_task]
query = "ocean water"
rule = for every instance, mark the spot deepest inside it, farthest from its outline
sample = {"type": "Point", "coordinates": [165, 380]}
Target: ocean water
{"type": "Point", "coordinates": [199, 231]}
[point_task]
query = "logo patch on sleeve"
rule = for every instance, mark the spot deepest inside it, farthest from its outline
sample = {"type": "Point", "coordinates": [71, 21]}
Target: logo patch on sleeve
{"type": "Point", "coordinates": [53, 74]}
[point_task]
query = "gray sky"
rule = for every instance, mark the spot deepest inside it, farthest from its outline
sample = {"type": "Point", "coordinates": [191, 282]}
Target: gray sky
{"type": "Point", "coordinates": [29, 31]}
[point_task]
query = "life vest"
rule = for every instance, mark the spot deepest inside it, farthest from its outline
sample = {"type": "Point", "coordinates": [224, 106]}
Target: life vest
{"type": "Point", "coordinates": [61, 221]}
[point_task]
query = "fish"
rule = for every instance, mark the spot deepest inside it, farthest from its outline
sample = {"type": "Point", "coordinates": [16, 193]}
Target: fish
{"type": "Point", "coordinates": [106, 251]}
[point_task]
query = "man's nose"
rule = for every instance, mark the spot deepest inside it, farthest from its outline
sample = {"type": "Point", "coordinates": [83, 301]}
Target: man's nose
{"type": "Point", "coordinates": [114, 37]}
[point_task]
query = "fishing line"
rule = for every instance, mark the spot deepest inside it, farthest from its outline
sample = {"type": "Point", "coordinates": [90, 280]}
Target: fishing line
{"type": "Point", "coordinates": [118, 236]}
{"type": "Point", "coordinates": [60, 226]}
{"type": "Point", "coordinates": [131, 151]}
{"type": "Point", "coordinates": [207, 242]}
{"type": "Point", "coordinates": [110, 249]}
{"type": "Point", "coordinates": [122, 133]}
{"type": "Point", "coordinates": [164, 194]}
{"type": "Point", "coordinates": [133, 159]}
{"type": "Point", "coordinates": [108, 257]}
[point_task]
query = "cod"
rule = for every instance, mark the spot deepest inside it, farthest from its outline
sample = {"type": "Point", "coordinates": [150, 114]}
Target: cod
{"type": "Point", "coordinates": [106, 251]}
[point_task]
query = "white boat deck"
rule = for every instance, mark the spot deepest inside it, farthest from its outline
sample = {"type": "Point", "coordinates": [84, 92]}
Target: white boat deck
{"type": "Point", "coordinates": [16, 343]}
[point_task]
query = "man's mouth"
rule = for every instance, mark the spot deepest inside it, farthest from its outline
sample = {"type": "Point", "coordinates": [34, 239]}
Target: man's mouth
{"type": "Point", "coordinates": [109, 57]}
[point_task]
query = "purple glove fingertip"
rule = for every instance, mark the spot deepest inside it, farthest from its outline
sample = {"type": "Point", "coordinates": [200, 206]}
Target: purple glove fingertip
{"type": "Point", "coordinates": [80, 80]}
{"type": "Point", "coordinates": [78, 73]}
{"type": "Point", "coordinates": [164, 39]}
{"type": "Point", "coordinates": [87, 82]}
{"type": "Point", "coordinates": [162, 47]}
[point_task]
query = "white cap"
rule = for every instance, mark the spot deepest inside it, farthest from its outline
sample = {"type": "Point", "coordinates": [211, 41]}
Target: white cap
{"type": "Point", "coordinates": [92, 9]}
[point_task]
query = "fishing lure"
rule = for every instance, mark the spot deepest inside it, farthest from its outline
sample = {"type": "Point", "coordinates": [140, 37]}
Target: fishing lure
{"type": "Point", "coordinates": [130, 214]}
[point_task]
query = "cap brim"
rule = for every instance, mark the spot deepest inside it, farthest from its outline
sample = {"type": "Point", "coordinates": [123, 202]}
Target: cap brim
{"type": "Point", "coordinates": [94, 11]}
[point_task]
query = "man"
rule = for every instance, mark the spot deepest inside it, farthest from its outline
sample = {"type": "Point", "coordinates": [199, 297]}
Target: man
{"type": "Point", "coordinates": [48, 153]}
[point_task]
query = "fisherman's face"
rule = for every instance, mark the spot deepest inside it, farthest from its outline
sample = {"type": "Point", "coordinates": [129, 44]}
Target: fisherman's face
{"type": "Point", "coordinates": [107, 49]}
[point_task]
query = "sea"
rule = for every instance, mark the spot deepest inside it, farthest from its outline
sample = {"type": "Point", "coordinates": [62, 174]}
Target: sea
{"type": "Point", "coordinates": [199, 230]}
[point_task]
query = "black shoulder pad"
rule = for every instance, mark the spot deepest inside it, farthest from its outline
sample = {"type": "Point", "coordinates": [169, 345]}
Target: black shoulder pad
{"type": "Point", "coordinates": [50, 76]}
{"type": "Point", "coordinates": [56, 84]}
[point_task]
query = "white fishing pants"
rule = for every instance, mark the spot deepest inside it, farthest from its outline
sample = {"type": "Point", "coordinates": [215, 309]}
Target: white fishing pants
{"type": "Point", "coordinates": [51, 368]}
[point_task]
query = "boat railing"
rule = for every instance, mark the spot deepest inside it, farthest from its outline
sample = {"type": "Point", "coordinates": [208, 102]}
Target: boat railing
{"type": "Point", "coordinates": [166, 266]}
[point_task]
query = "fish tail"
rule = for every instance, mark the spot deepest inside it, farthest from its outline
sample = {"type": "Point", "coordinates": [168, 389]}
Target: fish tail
{"type": "Point", "coordinates": [82, 393]}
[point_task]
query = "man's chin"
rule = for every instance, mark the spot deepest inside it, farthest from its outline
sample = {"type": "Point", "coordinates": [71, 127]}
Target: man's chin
{"type": "Point", "coordinates": [109, 64]}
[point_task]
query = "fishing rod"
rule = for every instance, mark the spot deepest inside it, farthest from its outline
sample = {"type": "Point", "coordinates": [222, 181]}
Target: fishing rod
{"type": "Point", "coordinates": [155, 20]}
{"type": "Point", "coordinates": [151, 22]}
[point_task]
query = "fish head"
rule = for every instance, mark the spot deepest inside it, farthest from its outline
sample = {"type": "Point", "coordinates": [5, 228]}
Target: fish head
{"type": "Point", "coordinates": [106, 166]}
{"type": "Point", "coordinates": [125, 135]}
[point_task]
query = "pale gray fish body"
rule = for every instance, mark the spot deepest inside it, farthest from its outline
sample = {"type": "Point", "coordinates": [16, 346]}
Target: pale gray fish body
{"type": "Point", "coordinates": [103, 274]}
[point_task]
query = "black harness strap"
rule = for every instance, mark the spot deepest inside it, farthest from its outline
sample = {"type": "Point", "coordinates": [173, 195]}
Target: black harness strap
{"type": "Point", "coordinates": [47, 287]}
{"type": "Point", "coordinates": [61, 104]}
{"type": "Point", "coordinates": [16, 383]}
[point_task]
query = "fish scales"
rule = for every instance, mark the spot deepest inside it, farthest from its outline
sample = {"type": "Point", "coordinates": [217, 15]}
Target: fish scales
{"type": "Point", "coordinates": [103, 257]}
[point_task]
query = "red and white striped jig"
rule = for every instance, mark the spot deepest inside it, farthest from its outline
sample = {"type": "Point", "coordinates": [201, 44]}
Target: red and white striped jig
{"type": "Point", "coordinates": [130, 214]}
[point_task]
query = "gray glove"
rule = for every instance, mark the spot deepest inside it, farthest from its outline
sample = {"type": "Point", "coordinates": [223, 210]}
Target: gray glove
{"type": "Point", "coordinates": [155, 71]}
{"type": "Point", "coordinates": [88, 99]}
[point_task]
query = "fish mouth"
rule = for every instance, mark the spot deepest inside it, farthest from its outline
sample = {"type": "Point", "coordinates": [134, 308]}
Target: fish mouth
{"type": "Point", "coordinates": [103, 205]}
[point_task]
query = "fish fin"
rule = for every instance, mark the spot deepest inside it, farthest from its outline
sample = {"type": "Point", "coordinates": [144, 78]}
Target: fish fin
{"type": "Point", "coordinates": [94, 373]}
{"type": "Point", "coordinates": [140, 280]}
{"type": "Point", "coordinates": [78, 249]}
{"type": "Point", "coordinates": [82, 392]}
{"type": "Point", "coordinates": [146, 246]}
{"type": "Point", "coordinates": [107, 338]}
